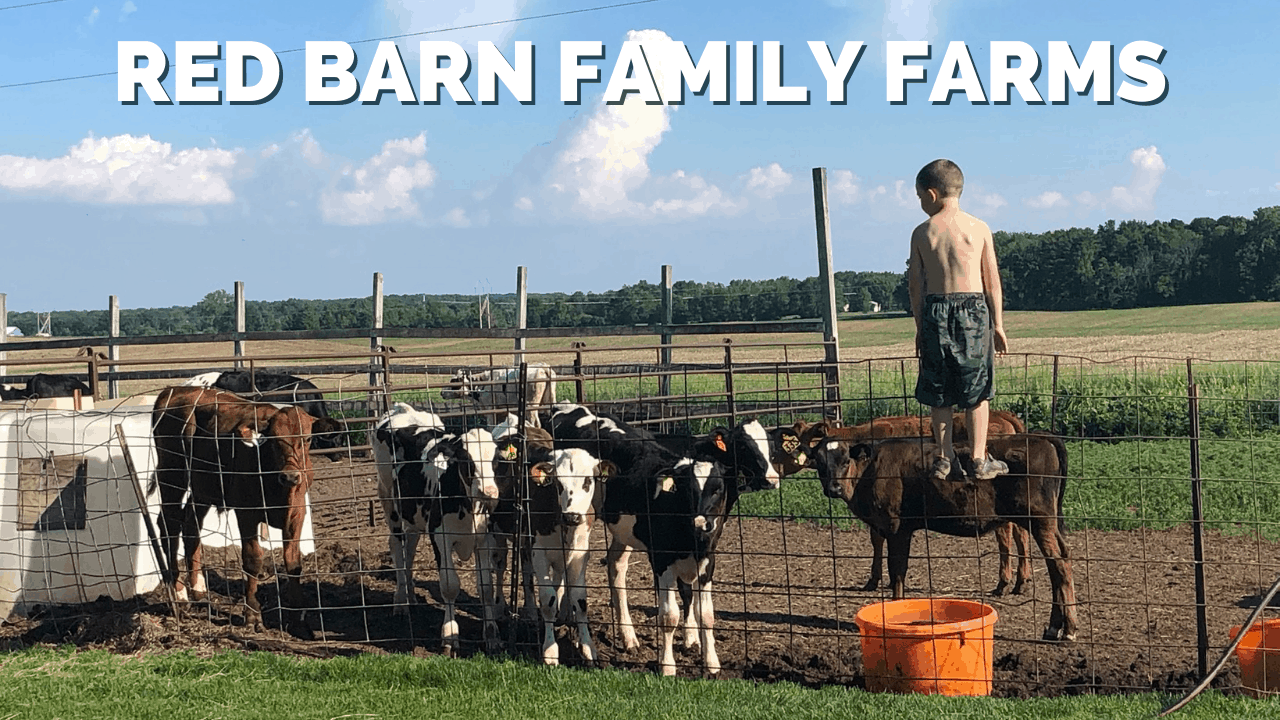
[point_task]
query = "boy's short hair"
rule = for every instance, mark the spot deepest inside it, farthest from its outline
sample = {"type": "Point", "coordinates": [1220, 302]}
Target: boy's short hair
{"type": "Point", "coordinates": [943, 176]}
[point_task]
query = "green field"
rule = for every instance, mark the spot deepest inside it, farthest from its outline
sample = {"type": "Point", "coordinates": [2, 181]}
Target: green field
{"type": "Point", "coordinates": [38, 684]}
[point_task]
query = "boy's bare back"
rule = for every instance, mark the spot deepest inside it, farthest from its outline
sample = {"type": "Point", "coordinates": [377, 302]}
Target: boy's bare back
{"type": "Point", "coordinates": [951, 248]}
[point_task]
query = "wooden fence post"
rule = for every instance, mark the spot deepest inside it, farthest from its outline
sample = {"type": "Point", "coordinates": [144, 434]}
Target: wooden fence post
{"type": "Point", "coordinates": [830, 329]}
{"type": "Point", "coordinates": [375, 341]}
{"type": "Point", "coordinates": [730, 401]}
{"type": "Point", "coordinates": [664, 357]}
{"type": "Point", "coordinates": [4, 332]}
{"type": "Point", "coordinates": [522, 310]}
{"type": "Point", "coordinates": [238, 344]}
{"type": "Point", "coordinates": [113, 350]}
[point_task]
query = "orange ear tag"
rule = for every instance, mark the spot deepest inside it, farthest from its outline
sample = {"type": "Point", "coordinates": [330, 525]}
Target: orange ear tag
{"type": "Point", "coordinates": [720, 443]}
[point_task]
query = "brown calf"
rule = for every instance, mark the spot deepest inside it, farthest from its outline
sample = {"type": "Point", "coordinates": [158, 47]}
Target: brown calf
{"type": "Point", "coordinates": [1001, 423]}
{"type": "Point", "coordinates": [239, 455]}
{"type": "Point", "coordinates": [889, 485]}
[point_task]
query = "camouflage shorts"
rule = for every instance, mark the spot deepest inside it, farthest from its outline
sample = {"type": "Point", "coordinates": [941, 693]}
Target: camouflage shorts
{"type": "Point", "coordinates": [956, 352]}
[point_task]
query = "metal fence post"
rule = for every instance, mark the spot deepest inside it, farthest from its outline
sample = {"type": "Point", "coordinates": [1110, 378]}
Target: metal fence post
{"type": "Point", "coordinates": [1197, 523]}
{"type": "Point", "coordinates": [375, 339]}
{"type": "Point", "coordinates": [4, 332]}
{"type": "Point", "coordinates": [1053, 398]}
{"type": "Point", "coordinates": [577, 377]}
{"type": "Point", "coordinates": [522, 310]}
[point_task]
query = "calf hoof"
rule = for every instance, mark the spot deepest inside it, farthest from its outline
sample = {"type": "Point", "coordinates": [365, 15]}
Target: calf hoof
{"type": "Point", "coordinates": [1019, 588]}
{"type": "Point", "coordinates": [999, 591]}
{"type": "Point", "coordinates": [871, 585]}
{"type": "Point", "coordinates": [301, 630]}
{"type": "Point", "coordinates": [1059, 634]}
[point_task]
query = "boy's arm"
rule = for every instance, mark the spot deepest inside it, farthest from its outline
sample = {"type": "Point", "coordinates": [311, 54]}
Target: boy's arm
{"type": "Point", "coordinates": [995, 293]}
{"type": "Point", "coordinates": [915, 285]}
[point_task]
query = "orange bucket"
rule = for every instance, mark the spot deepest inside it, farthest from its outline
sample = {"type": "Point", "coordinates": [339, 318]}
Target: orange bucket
{"type": "Point", "coordinates": [933, 646]}
{"type": "Point", "coordinates": [1259, 654]}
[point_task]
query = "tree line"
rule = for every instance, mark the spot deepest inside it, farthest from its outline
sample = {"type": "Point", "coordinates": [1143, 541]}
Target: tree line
{"type": "Point", "coordinates": [1117, 265]}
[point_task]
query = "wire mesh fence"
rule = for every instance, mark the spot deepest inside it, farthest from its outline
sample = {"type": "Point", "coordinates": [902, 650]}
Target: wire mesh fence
{"type": "Point", "coordinates": [1169, 497]}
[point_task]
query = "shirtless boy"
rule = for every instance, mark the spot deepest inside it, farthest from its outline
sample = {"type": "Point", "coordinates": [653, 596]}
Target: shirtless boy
{"type": "Point", "coordinates": [956, 300]}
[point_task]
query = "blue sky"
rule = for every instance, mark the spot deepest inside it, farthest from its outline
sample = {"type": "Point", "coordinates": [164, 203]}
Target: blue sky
{"type": "Point", "coordinates": [161, 204]}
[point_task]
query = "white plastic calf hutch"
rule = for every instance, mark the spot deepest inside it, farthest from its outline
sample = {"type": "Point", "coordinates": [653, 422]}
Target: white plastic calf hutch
{"type": "Point", "coordinates": [70, 530]}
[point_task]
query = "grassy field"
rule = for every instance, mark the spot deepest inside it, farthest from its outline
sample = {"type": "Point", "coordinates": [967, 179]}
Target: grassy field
{"type": "Point", "coordinates": [38, 684]}
{"type": "Point", "coordinates": [1114, 486]}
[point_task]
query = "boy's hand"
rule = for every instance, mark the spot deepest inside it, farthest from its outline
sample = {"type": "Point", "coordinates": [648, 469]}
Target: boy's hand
{"type": "Point", "coordinates": [1001, 342]}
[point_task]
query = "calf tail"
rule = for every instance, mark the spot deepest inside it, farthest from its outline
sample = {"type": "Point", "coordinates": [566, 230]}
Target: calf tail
{"type": "Point", "coordinates": [1060, 448]}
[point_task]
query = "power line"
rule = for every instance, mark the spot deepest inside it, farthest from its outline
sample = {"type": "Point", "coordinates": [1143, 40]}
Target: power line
{"type": "Point", "coordinates": [31, 4]}
{"type": "Point", "coordinates": [369, 40]}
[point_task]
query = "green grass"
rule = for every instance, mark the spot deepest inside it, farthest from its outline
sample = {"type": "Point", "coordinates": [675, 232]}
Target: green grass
{"type": "Point", "coordinates": [40, 683]}
{"type": "Point", "coordinates": [1113, 486]}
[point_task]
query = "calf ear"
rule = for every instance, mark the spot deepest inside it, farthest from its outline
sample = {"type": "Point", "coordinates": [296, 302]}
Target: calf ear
{"type": "Point", "coordinates": [605, 470]}
{"type": "Point", "coordinates": [541, 474]}
{"type": "Point", "coordinates": [666, 483]}
{"type": "Point", "coordinates": [816, 433]}
{"type": "Point", "coordinates": [249, 436]}
{"type": "Point", "coordinates": [860, 453]}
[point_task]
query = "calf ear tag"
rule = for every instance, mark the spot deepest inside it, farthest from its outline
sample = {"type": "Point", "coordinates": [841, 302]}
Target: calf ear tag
{"type": "Point", "coordinates": [508, 453]}
{"type": "Point", "coordinates": [790, 443]}
{"type": "Point", "coordinates": [249, 436]}
{"type": "Point", "coordinates": [540, 476]}
{"type": "Point", "coordinates": [666, 485]}
{"type": "Point", "coordinates": [802, 458]}
{"type": "Point", "coordinates": [720, 443]}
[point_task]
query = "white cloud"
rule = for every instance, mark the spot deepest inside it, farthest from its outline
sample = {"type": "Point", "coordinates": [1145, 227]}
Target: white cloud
{"type": "Point", "coordinates": [768, 182]}
{"type": "Point", "coordinates": [603, 161]}
{"type": "Point", "coordinates": [1276, 186]}
{"type": "Point", "coordinates": [1046, 200]}
{"type": "Point", "coordinates": [844, 190]}
{"type": "Point", "coordinates": [308, 147]}
{"type": "Point", "coordinates": [524, 203]}
{"type": "Point", "coordinates": [911, 19]}
{"type": "Point", "coordinates": [1139, 195]}
{"type": "Point", "coordinates": [986, 203]}
{"type": "Point", "coordinates": [1087, 199]}
{"type": "Point", "coordinates": [414, 16]}
{"type": "Point", "coordinates": [457, 217]}
{"type": "Point", "coordinates": [83, 28]}
{"type": "Point", "coordinates": [270, 150]}
{"type": "Point", "coordinates": [126, 170]}
{"type": "Point", "coordinates": [901, 197]}
{"type": "Point", "coordinates": [127, 9]}
{"type": "Point", "coordinates": [382, 188]}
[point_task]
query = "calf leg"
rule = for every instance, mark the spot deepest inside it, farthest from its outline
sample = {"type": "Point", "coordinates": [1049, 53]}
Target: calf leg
{"type": "Point", "coordinates": [484, 582]}
{"type": "Point", "coordinates": [877, 561]}
{"type": "Point", "coordinates": [707, 620]}
{"type": "Point", "coordinates": [1004, 540]}
{"type": "Point", "coordinates": [251, 561]}
{"type": "Point", "coordinates": [449, 587]}
{"type": "Point", "coordinates": [1023, 538]}
{"type": "Point", "coordinates": [291, 597]}
{"type": "Point", "coordinates": [575, 580]}
{"type": "Point", "coordinates": [690, 617]}
{"type": "Point", "coordinates": [616, 560]}
{"type": "Point", "coordinates": [1063, 624]}
{"type": "Point", "coordinates": [402, 541]}
{"type": "Point", "coordinates": [668, 619]}
{"type": "Point", "coordinates": [543, 576]}
{"type": "Point", "coordinates": [193, 516]}
{"type": "Point", "coordinates": [899, 557]}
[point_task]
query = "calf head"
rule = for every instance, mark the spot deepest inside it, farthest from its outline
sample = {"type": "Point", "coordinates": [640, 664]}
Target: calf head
{"type": "Point", "coordinates": [574, 475]}
{"type": "Point", "coordinates": [745, 450]}
{"type": "Point", "coordinates": [787, 453]}
{"type": "Point", "coordinates": [417, 475]}
{"type": "Point", "coordinates": [839, 466]}
{"type": "Point", "coordinates": [514, 452]}
{"type": "Point", "coordinates": [471, 456]}
{"type": "Point", "coordinates": [698, 491]}
{"type": "Point", "coordinates": [459, 386]}
{"type": "Point", "coordinates": [283, 442]}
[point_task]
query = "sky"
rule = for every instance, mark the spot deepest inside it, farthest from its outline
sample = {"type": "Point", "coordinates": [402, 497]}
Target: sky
{"type": "Point", "coordinates": [161, 204]}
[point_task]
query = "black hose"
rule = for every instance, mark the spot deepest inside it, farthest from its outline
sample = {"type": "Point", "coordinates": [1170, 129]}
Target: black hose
{"type": "Point", "coordinates": [1226, 655]}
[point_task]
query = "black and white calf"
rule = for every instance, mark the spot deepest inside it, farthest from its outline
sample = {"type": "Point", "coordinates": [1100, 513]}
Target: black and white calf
{"type": "Point", "coordinates": [499, 389]}
{"type": "Point", "coordinates": [516, 453]}
{"type": "Point", "coordinates": [441, 484]}
{"type": "Point", "coordinates": [671, 507]}
{"type": "Point", "coordinates": [561, 514]}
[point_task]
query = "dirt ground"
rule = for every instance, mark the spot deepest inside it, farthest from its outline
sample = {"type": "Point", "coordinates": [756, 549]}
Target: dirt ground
{"type": "Point", "coordinates": [786, 594]}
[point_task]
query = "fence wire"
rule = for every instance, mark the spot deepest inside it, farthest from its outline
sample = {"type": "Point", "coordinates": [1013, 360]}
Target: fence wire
{"type": "Point", "coordinates": [792, 565]}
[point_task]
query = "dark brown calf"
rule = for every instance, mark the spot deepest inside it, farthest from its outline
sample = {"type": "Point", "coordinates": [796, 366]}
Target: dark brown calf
{"type": "Point", "coordinates": [1001, 423]}
{"type": "Point", "coordinates": [239, 455]}
{"type": "Point", "coordinates": [890, 486]}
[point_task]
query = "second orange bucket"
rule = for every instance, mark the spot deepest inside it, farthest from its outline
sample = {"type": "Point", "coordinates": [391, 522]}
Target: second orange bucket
{"type": "Point", "coordinates": [937, 646]}
{"type": "Point", "coordinates": [1259, 654]}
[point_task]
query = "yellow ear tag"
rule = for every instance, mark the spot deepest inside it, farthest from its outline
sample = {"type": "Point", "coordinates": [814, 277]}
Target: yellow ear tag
{"type": "Point", "coordinates": [539, 477]}
{"type": "Point", "coordinates": [790, 443]}
{"type": "Point", "coordinates": [668, 484]}
{"type": "Point", "coordinates": [720, 443]}
{"type": "Point", "coordinates": [508, 453]}
{"type": "Point", "coordinates": [802, 458]}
